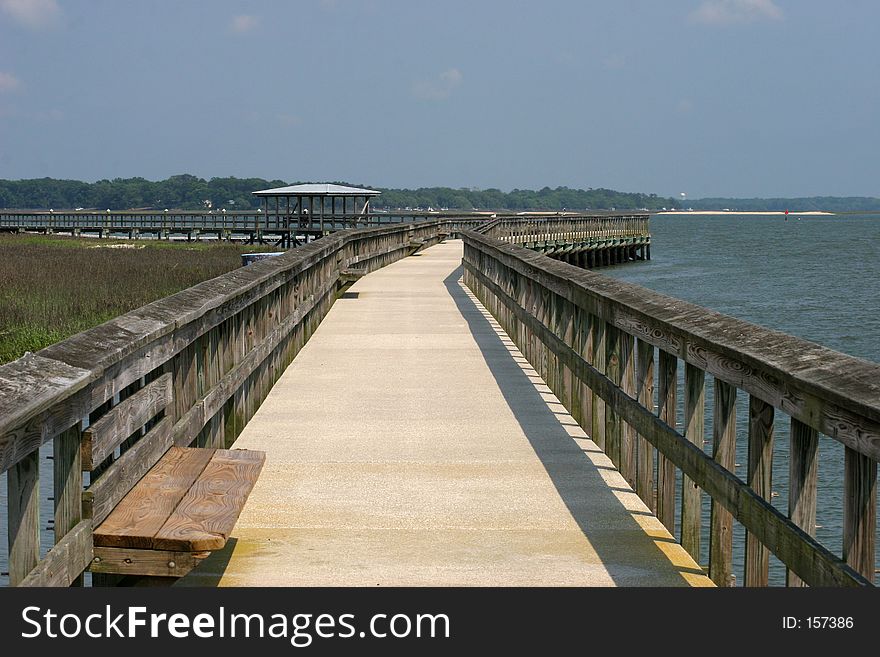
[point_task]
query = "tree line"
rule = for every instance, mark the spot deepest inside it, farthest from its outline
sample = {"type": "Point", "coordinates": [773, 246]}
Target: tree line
{"type": "Point", "coordinates": [188, 192]}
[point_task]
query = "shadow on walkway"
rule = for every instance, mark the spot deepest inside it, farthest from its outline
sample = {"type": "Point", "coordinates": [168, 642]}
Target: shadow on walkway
{"type": "Point", "coordinates": [630, 554]}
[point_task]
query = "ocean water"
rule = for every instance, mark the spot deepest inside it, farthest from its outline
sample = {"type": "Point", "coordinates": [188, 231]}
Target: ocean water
{"type": "Point", "coordinates": [815, 277]}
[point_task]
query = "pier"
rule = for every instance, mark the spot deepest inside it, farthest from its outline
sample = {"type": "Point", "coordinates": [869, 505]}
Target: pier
{"type": "Point", "coordinates": [437, 405]}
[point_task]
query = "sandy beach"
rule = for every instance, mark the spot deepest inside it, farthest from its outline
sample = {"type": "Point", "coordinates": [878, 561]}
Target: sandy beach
{"type": "Point", "coordinates": [769, 212]}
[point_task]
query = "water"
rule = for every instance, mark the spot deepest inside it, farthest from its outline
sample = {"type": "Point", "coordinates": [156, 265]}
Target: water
{"type": "Point", "coordinates": [815, 277]}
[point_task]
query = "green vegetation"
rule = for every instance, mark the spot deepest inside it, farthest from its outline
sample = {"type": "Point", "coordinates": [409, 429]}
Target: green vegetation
{"type": "Point", "coordinates": [188, 192]}
{"type": "Point", "coordinates": [51, 288]}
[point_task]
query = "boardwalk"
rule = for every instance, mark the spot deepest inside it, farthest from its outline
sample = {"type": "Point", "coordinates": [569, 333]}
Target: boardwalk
{"type": "Point", "coordinates": [409, 443]}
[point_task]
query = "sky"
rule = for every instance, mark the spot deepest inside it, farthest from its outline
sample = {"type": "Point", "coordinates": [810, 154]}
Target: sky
{"type": "Point", "coordinates": [703, 97]}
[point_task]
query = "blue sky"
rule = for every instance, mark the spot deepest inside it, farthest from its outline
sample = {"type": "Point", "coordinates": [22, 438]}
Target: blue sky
{"type": "Point", "coordinates": [707, 97]}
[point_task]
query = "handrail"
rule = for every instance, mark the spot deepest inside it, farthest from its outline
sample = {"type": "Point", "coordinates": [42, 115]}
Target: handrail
{"type": "Point", "coordinates": [593, 340]}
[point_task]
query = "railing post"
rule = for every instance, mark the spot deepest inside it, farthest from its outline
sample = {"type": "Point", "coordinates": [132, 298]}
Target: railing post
{"type": "Point", "coordinates": [68, 482]}
{"type": "Point", "coordinates": [23, 499]}
{"type": "Point", "coordinates": [614, 372]}
{"type": "Point", "coordinates": [803, 476]}
{"type": "Point", "coordinates": [667, 383]}
{"type": "Point", "coordinates": [627, 433]}
{"type": "Point", "coordinates": [724, 453]}
{"type": "Point", "coordinates": [645, 387]}
{"type": "Point", "coordinates": [759, 479]}
{"type": "Point", "coordinates": [691, 496]}
{"type": "Point", "coordinates": [599, 344]}
{"type": "Point", "coordinates": [859, 512]}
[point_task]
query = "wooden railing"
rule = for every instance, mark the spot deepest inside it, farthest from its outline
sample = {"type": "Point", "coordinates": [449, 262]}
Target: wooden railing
{"type": "Point", "coordinates": [515, 228]}
{"type": "Point", "coordinates": [573, 229]}
{"type": "Point", "coordinates": [599, 344]}
{"type": "Point", "coordinates": [190, 369]}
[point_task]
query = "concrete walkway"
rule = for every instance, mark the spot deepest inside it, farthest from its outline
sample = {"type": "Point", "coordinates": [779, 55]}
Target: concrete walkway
{"type": "Point", "coordinates": [409, 443]}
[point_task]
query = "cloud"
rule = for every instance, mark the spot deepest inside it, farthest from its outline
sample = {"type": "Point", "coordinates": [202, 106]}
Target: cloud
{"type": "Point", "coordinates": [8, 82]}
{"type": "Point", "coordinates": [439, 88]}
{"type": "Point", "coordinates": [735, 12]}
{"type": "Point", "coordinates": [244, 23]}
{"type": "Point", "coordinates": [34, 14]}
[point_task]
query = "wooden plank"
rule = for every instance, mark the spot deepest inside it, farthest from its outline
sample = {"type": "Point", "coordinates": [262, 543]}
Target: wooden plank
{"type": "Point", "coordinates": [64, 564]}
{"type": "Point", "coordinates": [724, 453]}
{"type": "Point", "coordinates": [860, 512]}
{"type": "Point", "coordinates": [614, 373]}
{"type": "Point", "coordinates": [105, 435]}
{"type": "Point", "coordinates": [140, 515]}
{"type": "Point", "coordinates": [759, 479]}
{"type": "Point", "coordinates": [628, 444]}
{"type": "Point", "coordinates": [155, 563]}
{"type": "Point", "coordinates": [68, 484]}
{"type": "Point", "coordinates": [803, 479]}
{"type": "Point", "coordinates": [835, 393]}
{"type": "Point", "coordinates": [794, 547]}
{"type": "Point", "coordinates": [23, 499]}
{"type": "Point", "coordinates": [600, 348]}
{"type": "Point", "coordinates": [29, 387]}
{"type": "Point", "coordinates": [207, 514]}
{"type": "Point", "coordinates": [667, 383]}
{"type": "Point", "coordinates": [691, 496]}
{"type": "Point", "coordinates": [105, 493]}
{"type": "Point", "coordinates": [645, 387]}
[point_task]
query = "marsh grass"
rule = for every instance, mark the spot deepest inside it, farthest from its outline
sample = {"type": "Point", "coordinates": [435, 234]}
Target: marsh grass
{"type": "Point", "coordinates": [54, 287]}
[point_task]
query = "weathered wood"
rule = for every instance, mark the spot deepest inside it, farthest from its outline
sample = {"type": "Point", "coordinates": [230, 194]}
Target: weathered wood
{"type": "Point", "coordinates": [28, 387]}
{"type": "Point", "coordinates": [207, 513]}
{"type": "Point", "coordinates": [797, 549]}
{"type": "Point", "coordinates": [154, 563]}
{"type": "Point", "coordinates": [600, 362]}
{"type": "Point", "coordinates": [803, 478]}
{"type": "Point", "coordinates": [645, 387]}
{"type": "Point", "coordinates": [724, 453]}
{"type": "Point", "coordinates": [68, 484]}
{"type": "Point", "coordinates": [105, 493]}
{"type": "Point", "coordinates": [23, 499]}
{"type": "Point", "coordinates": [105, 435]}
{"type": "Point", "coordinates": [759, 479]}
{"type": "Point", "coordinates": [628, 444]}
{"type": "Point", "coordinates": [140, 515]}
{"type": "Point", "coordinates": [64, 564]}
{"type": "Point", "coordinates": [691, 496]}
{"type": "Point", "coordinates": [667, 386]}
{"type": "Point", "coordinates": [614, 373]}
{"type": "Point", "coordinates": [860, 512]}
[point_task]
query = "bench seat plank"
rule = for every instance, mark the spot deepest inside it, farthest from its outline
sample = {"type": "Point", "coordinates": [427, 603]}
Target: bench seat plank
{"type": "Point", "coordinates": [190, 499]}
{"type": "Point", "coordinates": [206, 515]}
{"type": "Point", "coordinates": [142, 512]}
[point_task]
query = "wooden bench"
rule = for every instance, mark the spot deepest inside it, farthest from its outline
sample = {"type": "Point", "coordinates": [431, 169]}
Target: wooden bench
{"type": "Point", "coordinates": [184, 507]}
